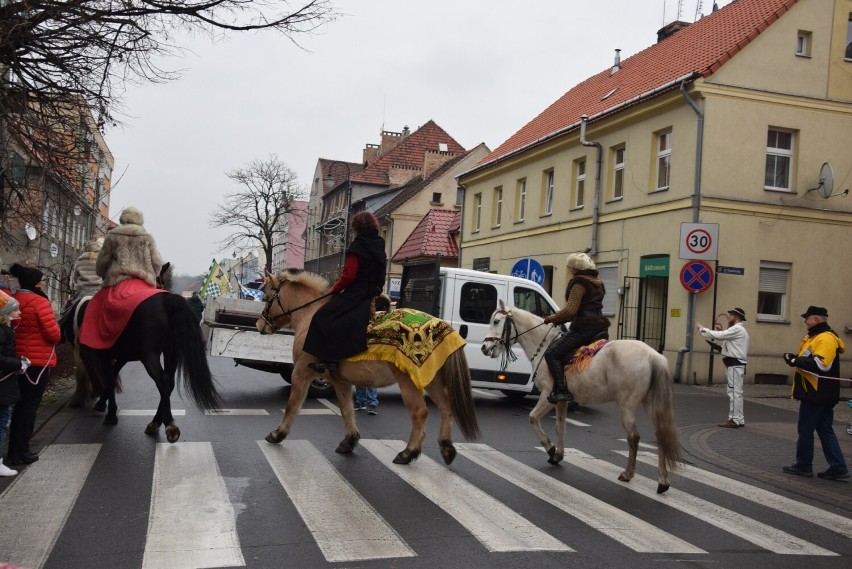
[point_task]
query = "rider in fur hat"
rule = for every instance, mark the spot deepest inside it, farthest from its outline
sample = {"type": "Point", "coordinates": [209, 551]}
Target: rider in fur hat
{"type": "Point", "coordinates": [129, 251]}
{"type": "Point", "coordinates": [583, 304]}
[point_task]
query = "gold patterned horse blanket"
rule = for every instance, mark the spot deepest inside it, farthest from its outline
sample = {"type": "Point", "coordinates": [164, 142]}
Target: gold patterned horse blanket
{"type": "Point", "coordinates": [415, 342]}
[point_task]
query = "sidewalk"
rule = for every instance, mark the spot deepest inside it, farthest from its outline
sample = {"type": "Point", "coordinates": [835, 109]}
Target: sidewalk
{"type": "Point", "coordinates": [757, 452]}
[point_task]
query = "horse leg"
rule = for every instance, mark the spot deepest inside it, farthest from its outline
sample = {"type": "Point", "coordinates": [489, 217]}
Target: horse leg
{"type": "Point", "coordinates": [343, 392]}
{"type": "Point", "coordinates": [414, 401]}
{"type": "Point", "coordinates": [542, 407]}
{"type": "Point", "coordinates": [165, 382]}
{"type": "Point", "coordinates": [628, 422]}
{"type": "Point", "coordinates": [440, 397]}
{"type": "Point", "coordinates": [299, 384]}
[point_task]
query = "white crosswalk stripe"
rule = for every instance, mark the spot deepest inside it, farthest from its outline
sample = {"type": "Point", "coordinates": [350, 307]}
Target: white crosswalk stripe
{"type": "Point", "coordinates": [347, 528]}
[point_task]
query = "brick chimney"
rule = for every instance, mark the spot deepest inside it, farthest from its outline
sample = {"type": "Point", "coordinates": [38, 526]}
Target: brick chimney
{"type": "Point", "coordinates": [670, 30]}
{"type": "Point", "coordinates": [434, 159]}
{"type": "Point", "coordinates": [371, 152]}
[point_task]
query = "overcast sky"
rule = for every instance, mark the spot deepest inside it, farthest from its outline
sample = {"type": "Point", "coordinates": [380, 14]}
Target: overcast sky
{"type": "Point", "coordinates": [481, 69]}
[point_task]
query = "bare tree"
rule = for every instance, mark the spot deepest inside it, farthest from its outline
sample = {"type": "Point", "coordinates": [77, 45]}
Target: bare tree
{"type": "Point", "coordinates": [64, 65]}
{"type": "Point", "coordinates": [261, 212]}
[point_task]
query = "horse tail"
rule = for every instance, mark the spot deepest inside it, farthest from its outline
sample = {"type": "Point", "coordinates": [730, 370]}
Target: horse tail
{"type": "Point", "coordinates": [457, 381]}
{"type": "Point", "coordinates": [661, 411]}
{"type": "Point", "coordinates": [187, 347]}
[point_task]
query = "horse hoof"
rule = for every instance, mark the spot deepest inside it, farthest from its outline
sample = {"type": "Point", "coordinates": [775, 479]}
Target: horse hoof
{"type": "Point", "coordinates": [661, 488]}
{"type": "Point", "coordinates": [274, 438]}
{"type": "Point", "coordinates": [405, 457]}
{"type": "Point", "coordinates": [110, 420]}
{"type": "Point", "coordinates": [348, 444]}
{"type": "Point", "coordinates": [551, 451]}
{"type": "Point", "coordinates": [448, 453]}
{"type": "Point", "coordinates": [623, 477]}
{"type": "Point", "coordinates": [152, 429]}
{"type": "Point", "coordinates": [172, 434]}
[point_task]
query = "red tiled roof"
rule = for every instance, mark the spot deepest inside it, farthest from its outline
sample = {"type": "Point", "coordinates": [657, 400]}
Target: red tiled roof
{"type": "Point", "coordinates": [409, 153]}
{"type": "Point", "coordinates": [697, 50]}
{"type": "Point", "coordinates": [337, 172]}
{"type": "Point", "coordinates": [431, 237]}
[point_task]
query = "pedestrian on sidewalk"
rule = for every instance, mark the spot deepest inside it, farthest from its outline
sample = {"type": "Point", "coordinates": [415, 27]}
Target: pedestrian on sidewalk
{"type": "Point", "coordinates": [814, 385]}
{"type": "Point", "coordinates": [367, 398]}
{"type": "Point", "coordinates": [734, 355]}
{"type": "Point", "coordinates": [10, 366]}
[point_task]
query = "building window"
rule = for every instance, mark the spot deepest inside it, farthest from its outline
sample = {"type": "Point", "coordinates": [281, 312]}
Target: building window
{"type": "Point", "coordinates": [520, 199]}
{"type": "Point", "coordinates": [548, 192]}
{"type": "Point", "coordinates": [477, 211]}
{"type": "Point", "coordinates": [772, 290]}
{"type": "Point", "coordinates": [497, 213]}
{"type": "Point", "coordinates": [18, 168]}
{"type": "Point", "coordinates": [779, 159]}
{"type": "Point", "coordinates": [618, 155]}
{"type": "Point", "coordinates": [849, 39]}
{"type": "Point", "coordinates": [803, 43]}
{"type": "Point", "coordinates": [578, 199]}
{"type": "Point", "coordinates": [608, 275]}
{"type": "Point", "coordinates": [664, 160]}
{"type": "Point", "coordinates": [436, 198]}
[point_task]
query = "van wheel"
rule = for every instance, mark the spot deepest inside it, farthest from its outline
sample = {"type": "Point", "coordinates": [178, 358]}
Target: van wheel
{"type": "Point", "coordinates": [514, 395]}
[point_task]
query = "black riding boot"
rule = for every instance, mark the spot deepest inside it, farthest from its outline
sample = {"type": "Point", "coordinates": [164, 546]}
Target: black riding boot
{"type": "Point", "coordinates": [559, 352]}
{"type": "Point", "coordinates": [560, 392]}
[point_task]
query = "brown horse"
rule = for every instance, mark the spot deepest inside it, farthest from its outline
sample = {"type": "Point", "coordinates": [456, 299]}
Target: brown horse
{"type": "Point", "coordinates": [292, 298]}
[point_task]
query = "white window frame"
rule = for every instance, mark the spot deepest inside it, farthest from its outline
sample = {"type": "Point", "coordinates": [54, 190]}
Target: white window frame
{"type": "Point", "coordinates": [498, 206]}
{"type": "Point", "coordinates": [664, 160]}
{"type": "Point", "coordinates": [579, 197]}
{"type": "Point", "coordinates": [619, 158]}
{"type": "Point", "coordinates": [774, 279]}
{"type": "Point", "coordinates": [548, 192]}
{"type": "Point", "coordinates": [803, 43]}
{"type": "Point", "coordinates": [520, 199]}
{"type": "Point", "coordinates": [776, 154]}
{"type": "Point", "coordinates": [477, 211]}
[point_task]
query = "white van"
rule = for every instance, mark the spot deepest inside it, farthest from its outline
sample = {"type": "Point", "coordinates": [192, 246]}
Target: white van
{"type": "Point", "coordinates": [466, 299]}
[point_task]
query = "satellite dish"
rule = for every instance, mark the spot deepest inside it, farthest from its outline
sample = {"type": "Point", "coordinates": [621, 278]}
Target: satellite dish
{"type": "Point", "coordinates": [826, 180]}
{"type": "Point", "coordinates": [30, 230]}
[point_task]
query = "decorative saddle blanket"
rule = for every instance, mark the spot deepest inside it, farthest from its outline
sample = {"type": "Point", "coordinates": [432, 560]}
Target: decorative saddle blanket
{"type": "Point", "coordinates": [415, 342]}
{"type": "Point", "coordinates": [110, 309]}
{"type": "Point", "coordinates": [583, 357]}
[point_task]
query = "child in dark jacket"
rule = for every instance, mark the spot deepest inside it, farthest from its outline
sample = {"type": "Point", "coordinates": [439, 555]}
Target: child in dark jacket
{"type": "Point", "coordinates": [10, 366]}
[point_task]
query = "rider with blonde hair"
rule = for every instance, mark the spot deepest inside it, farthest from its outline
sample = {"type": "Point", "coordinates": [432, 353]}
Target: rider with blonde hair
{"type": "Point", "coordinates": [583, 308]}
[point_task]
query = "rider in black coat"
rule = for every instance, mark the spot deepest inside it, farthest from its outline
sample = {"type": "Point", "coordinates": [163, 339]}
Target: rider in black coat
{"type": "Point", "coordinates": [339, 328]}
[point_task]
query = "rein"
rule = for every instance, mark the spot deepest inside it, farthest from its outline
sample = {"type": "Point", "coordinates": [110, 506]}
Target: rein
{"type": "Point", "coordinates": [507, 340]}
{"type": "Point", "coordinates": [270, 320]}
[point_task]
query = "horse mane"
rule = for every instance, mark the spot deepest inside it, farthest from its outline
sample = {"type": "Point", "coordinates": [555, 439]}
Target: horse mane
{"type": "Point", "coordinates": [307, 279]}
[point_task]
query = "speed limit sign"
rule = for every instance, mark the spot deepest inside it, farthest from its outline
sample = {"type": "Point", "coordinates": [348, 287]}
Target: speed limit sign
{"type": "Point", "coordinates": [699, 241]}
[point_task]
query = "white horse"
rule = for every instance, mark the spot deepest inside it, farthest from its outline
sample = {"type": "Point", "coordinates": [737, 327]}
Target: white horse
{"type": "Point", "coordinates": [628, 372]}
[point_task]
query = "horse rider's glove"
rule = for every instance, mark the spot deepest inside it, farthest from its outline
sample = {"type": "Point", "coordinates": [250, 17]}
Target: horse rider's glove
{"type": "Point", "coordinates": [790, 359]}
{"type": "Point", "coordinates": [25, 363]}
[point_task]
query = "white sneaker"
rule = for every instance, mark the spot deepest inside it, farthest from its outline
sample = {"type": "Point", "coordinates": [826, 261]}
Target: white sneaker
{"type": "Point", "coordinates": [6, 471]}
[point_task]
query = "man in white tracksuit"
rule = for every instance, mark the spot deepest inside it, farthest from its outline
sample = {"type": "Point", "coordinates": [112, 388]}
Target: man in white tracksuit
{"type": "Point", "coordinates": [734, 354]}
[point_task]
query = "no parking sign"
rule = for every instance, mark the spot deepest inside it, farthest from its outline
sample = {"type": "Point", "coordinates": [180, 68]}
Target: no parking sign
{"type": "Point", "coordinates": [696, 276]}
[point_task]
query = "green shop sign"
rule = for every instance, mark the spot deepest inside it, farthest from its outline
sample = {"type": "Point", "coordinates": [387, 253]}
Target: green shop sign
{"type": "Point", "coordinates": [654, 267]}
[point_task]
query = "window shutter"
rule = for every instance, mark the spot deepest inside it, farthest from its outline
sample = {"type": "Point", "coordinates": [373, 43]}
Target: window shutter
{"type": "Point", "coordinates": [608, 276]}
{"type": "Point", "coordinates": [773, 280]}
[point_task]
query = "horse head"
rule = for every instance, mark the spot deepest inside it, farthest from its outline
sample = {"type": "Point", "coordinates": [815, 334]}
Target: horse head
{"type": "Point", "coordinates": [499, 332]}
{"type": "Point", "coordinates": [303, 289]}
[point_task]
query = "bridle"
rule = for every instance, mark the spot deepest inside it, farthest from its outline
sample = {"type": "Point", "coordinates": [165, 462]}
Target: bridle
{"type": "Point", "coordinates": [507, 340]}
{"type": "Point", "coordinates": [276, 298]}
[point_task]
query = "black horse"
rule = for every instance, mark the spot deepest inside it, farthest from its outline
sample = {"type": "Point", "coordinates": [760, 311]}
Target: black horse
{"type": "Point", "coordinates": [164, 326]}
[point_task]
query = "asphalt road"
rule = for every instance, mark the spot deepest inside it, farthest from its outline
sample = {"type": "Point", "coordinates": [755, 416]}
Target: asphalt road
{"type": "Point", "coordinates": [222, 497]}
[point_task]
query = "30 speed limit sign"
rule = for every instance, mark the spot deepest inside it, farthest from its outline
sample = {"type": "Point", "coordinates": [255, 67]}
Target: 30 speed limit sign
{"type": "Point", "coordinates": [699, 241]}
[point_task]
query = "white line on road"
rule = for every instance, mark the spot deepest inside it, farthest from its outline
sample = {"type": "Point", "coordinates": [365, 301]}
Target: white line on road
{"type": "Point", "coordinates": [235, 412]}
{"type": "Point", "coordinates": [739, 525]}
{"type": "Point", "coordinates": [148, 412]}
{"type": "Point", "coordinates": [36, 505]}
{"type": "Point", "coordinates": [334, 408]}
{"type": "Point", "coordinates": [192, 522]}
{"type": "Point", "coordinates": [345, 526]}
{"type": "Point", "coordinates": [624, 528]}
{"type": "Point", "coordinates": [817, 516]}
{"type": "Point", "coordinates": [493, 523]}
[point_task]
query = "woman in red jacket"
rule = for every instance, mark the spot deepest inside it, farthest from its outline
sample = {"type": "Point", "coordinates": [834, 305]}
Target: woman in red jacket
{"type": "Point", "coordinates": [36, 336]}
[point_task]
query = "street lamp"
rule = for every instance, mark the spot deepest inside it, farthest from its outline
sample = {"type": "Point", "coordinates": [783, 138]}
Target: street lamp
{"type": "Point", "coordinates": [329, 183]}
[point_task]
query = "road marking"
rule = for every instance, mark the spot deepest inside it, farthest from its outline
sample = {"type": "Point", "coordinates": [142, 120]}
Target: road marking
{"type": "Point", "coordinates": [641, 445]}
{"type": "Point", "coordinates": [741, 526]}
{"type": "Point", "coordinates": [818, 516]}
{"type": "Point", "coordinates": [334, 408]}
{"type": "Point", "coordinates": [493, 523]}
{"type": "Point", "coordinates": [235, 412]}
{"type": "Point", "coordinates": [304, 411]}
{"type": "Point", "coordinates": [36, 506]}
{"type": "Point", "coordinates": [148, 412]}
{"type": "Point", "coordinates": [615, 523]}
{"type": "Point", "coordinates": [192, 522]}
{"type": "Point", "coordinates": [488, 393]}
{"type": "Point", "coordinates": [345, 526]}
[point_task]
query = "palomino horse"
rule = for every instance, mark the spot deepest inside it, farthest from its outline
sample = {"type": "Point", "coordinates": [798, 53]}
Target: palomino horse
{"type": "Point", "coordinates": [292, 298]}
{"type": "Point", "coordinates": [628, 372]}
{"type": "Point", "coordinates": [163, 325]}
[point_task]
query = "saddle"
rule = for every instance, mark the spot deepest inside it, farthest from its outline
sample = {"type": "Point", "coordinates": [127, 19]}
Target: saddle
{"type": "Point", "coordinates": [584, 354]}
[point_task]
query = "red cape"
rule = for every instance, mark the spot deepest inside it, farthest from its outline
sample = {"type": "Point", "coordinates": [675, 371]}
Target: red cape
{"type": "Point", "coordinates": [110, 309]}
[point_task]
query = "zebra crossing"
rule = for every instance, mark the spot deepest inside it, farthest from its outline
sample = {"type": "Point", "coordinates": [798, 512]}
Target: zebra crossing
{"type": "Point", "coordinates": [346, 527]}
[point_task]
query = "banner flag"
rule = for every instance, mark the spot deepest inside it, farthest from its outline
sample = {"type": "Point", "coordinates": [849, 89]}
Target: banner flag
{"type": "Point", "coordinates": [216, 283]}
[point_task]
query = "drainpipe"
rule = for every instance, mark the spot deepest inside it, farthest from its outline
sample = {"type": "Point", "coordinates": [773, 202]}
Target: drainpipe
{"type": "Point", "coordinates": [598, 167]}
{"type": "Point", "coordinates": [462, 194]}
{"type": "Point", "coordinates": [696, 204]}
{"type": "Point", "coordinates": [390, 250]}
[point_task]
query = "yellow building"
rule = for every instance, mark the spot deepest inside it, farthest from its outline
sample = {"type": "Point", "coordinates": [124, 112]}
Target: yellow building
{"type": "Point", "coordinates": [717, 159]}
